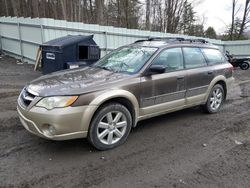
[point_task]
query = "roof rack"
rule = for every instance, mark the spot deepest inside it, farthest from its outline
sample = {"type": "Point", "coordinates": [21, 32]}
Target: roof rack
{"type": "Point", "coordinates": [173, 39]}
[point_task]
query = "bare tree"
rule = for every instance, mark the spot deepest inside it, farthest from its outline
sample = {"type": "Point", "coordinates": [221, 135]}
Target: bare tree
{"type": "Point", "coordinates": [245, 19]}
{"type": "Point", "coordinates": [173, 12]}
{"type": "Point", "coordinates": [14, 7]}
{"type": "Point", "coordinates": [160, 15]}
{"type": "Point", "coordinates": [6, 7]}
{"type": "Point", "coordinates": [91, 10]}
{"type": "Point", "coordinates": [99, 11]}
{"type": "Point", "coordinates": [63, 5]}
{"type": "Point", "coordinates": [233, 18]}
{"type": "Point", "coordinates": [35, 8]}
{"type": "Point", "coordinates": [148, 7]}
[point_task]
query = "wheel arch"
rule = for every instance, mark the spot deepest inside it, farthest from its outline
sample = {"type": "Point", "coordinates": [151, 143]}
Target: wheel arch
{"type": "Point", "coordinates": [224, 85]}
{"type": "Point", "coordinates": [218, 80]}
{"type": "Point", "coordinates": [119, 96]}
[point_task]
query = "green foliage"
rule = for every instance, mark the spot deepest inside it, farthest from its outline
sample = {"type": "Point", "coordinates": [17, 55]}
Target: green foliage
{"type": "Point", "coordinates": [210, 33]}
{"type": "Point", "coordinates": [187, 19]}
{"type": "Point", "coordinates": [188, 25]}
{"type": "Point", "coordinates": [196, 30]}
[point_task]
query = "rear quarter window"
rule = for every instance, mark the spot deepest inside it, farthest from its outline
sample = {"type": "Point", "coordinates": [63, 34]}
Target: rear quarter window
{"type": "Point", "coordinates": [213, 56]}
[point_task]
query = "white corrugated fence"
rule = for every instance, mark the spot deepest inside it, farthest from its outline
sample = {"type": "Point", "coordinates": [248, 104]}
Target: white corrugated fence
{"type": "Point", "coordinates": [20, 37]}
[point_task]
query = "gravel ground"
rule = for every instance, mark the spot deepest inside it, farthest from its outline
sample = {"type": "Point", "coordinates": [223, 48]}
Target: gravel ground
{"type": "Point", "coordinates": [183, 149]}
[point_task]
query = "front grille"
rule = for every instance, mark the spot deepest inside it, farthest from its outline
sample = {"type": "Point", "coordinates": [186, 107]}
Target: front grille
{"type": "Point", "coordinates": [27, 97]}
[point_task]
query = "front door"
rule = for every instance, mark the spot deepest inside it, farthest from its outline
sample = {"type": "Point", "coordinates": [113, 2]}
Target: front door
{"type": "Point", "coordinates": [163, 92]}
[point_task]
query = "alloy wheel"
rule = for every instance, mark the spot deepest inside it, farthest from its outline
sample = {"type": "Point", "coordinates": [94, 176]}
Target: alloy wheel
{"type": "Point", "coordinates": [112, 127]}
{"type": "Point", "coordinates": [216, 99]}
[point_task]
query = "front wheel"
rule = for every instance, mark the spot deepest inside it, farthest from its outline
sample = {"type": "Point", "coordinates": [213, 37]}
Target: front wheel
{"type": "Point", "coordinates": [215, 99]}
{"type": "Point", "coordinates": [110, 126]}
{"type": "Point", "coordinates": [244, 65]}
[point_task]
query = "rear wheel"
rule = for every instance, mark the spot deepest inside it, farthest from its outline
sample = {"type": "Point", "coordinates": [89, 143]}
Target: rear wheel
{"type": "Point", "coordinates": [110, 126]}
{"type": "Point", "coordinates": [215, 99]}
{"type": "Point", "coordinates": [244, 65]}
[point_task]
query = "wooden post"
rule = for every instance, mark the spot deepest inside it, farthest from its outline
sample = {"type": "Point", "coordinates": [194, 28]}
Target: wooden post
{"type": "Point", "coordinates": [38, 58]}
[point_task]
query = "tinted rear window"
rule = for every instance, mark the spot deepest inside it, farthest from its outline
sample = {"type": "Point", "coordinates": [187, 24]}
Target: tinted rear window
{"type": "Point", "coordinates": [213, 56]}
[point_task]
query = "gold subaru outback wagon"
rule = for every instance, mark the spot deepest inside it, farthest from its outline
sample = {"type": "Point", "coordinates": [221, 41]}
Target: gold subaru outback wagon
{"type": "Point", "coordinates": [102, 102]}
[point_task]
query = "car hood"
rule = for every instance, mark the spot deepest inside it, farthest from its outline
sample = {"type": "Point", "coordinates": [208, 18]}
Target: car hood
{"type": "Point", "coordinates": [74, 82]}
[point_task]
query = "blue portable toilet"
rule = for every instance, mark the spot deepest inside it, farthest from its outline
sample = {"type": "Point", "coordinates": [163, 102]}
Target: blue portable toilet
{"type": "Point", "coordinates": [72, 48]}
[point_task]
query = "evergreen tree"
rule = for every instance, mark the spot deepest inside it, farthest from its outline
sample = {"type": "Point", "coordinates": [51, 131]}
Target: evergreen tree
{"type": "Point", "coordinates": [187, 19]}
{"type": "Point", "coordinates": [210, 33]}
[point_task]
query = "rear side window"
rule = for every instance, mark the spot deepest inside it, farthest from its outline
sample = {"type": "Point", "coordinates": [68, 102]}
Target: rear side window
{"type": "Point", "coordinates": [213, 56]}
{"type": "Point", "coordinates": [194, 58]}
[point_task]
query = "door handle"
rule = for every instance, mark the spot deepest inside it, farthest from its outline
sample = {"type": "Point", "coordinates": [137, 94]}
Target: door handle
{"type": "Point", "coordinates": [210, 72]}
{"type": "Point", "coordinates": [180, 77]}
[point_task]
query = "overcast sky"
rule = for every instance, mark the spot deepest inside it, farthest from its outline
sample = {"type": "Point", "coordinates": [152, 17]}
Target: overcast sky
{"type": "Point", "coordinates": [217, 13]}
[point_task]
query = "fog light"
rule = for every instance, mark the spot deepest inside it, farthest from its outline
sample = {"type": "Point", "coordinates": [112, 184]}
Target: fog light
{"type": "Point", "coordinates": [49, 130]}
{"type": "Point", "coordinates": [52, 129]}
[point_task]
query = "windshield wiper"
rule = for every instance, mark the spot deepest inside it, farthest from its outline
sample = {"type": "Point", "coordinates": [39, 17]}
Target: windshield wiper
{"type": "Point", "coordinates": [108, 69]}
{"type": "Point", "coordinates": [105, 68]}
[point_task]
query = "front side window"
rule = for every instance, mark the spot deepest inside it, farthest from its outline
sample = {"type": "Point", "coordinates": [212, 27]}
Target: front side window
{"type": "Point", "coordinates": [194, 58]}
{"type": "Point", "coordinates": [171, 59]}
{"type": "Point", "coordinates": [213, 56]}
{"type": "Point", "coordinates": [127, 60]}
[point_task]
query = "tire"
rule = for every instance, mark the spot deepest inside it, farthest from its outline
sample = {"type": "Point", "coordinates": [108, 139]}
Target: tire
{"type": "Point", "coordinates": [110, 126]}
{"type": "Point", "coordinates": [244, 65]}
{"type": "Point", "coordinates": [215, 99]}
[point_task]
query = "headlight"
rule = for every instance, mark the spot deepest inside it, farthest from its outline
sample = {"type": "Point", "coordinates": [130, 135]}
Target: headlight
{"type": "Point", "coordinates": [56, 102]}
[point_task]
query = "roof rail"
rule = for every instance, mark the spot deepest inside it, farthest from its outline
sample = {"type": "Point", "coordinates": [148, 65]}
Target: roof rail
{"type": "Point", "coordinates": [161, 39]}
{"type": "Point", "coordinates": [166, 38]}
{"type": "Point", "coordinates": [173, 39]}
{"type": "Point", "coordinates": [197, 40]}
{"type": "Point", "coordinates": [141, 40]}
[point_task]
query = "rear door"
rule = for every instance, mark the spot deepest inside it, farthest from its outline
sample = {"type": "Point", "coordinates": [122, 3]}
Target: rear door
{"type": "Point", "coordinates": [199, 74]}
{"type": "Point", "coordinates": [216, 61]}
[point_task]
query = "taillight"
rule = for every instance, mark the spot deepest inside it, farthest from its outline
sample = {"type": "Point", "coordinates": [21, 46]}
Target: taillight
{"type": "Point", "coordinates": [231, 68]}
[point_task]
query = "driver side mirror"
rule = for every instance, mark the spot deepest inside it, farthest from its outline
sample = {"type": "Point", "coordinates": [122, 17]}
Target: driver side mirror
{"type": "Point", "coordinates": [155, 69]}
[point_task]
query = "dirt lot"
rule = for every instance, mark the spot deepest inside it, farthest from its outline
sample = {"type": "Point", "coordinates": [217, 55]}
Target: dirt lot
{"type": "Point", "coordinates": [182, 149]}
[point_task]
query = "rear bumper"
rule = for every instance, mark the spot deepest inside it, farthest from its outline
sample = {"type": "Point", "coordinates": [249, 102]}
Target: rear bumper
{"type": "Point", "coordinates": [57, 124]}
{"type": "Point", "coordinates": [229, 82]}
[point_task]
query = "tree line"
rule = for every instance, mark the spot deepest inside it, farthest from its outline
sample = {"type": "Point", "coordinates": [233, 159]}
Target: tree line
{"type": "Point", "coordinates": [171, 16]}
{"type": "Point", "coordinates": [240, 22]}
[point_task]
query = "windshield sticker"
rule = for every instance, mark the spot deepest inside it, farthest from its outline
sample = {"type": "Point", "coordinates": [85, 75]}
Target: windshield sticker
{"type": "Point", "coordinates": [130, 70]}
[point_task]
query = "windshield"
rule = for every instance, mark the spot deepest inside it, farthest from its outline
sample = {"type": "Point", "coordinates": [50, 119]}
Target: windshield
{"type": "Point", "coordinates": [128, 59]}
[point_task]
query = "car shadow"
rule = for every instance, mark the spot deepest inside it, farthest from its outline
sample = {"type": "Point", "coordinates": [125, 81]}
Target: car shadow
{"type": "Point", "coordinates": [168, 118]}
{"type": "Point", "coordinates": [81, 146]}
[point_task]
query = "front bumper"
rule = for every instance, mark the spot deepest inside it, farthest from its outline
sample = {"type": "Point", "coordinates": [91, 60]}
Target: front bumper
{"type": "Point", "coordinates": [57, 124]}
